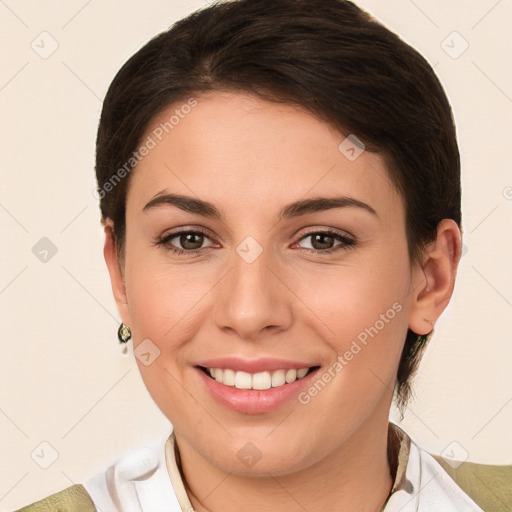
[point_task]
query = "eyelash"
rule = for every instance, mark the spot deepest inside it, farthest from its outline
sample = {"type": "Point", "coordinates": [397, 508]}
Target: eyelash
{"type": "Point", "coordinates": [346, 241]}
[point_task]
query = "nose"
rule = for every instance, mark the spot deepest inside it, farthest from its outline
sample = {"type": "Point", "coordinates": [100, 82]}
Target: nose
{"type": "Point", "coordinates": [253, 299]}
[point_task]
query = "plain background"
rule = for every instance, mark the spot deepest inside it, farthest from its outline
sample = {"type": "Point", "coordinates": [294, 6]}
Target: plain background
{"type": "Point", "coordinates": [63, 380]}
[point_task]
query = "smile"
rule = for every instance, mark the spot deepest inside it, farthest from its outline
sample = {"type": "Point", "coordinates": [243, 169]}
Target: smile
{"type": "Point", "coordinates": [254, 387]}
{"type": "Point", "coordinates": [258, 381]}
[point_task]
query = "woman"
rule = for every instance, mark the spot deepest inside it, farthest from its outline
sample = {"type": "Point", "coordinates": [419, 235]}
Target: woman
{"type": "Point", "coordinates": [279, 184]}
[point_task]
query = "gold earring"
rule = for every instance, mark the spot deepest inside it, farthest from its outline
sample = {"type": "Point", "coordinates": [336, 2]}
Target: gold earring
{"type": "Point", "coordinates": [124, 335]}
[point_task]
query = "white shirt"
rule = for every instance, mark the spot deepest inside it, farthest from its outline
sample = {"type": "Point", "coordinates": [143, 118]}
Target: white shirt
{"type": "Point", "coordinates": [148, 480]}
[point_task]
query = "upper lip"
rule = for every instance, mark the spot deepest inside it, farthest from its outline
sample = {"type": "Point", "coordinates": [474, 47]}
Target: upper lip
{"type": "Point", "coordinates": [254, 365]}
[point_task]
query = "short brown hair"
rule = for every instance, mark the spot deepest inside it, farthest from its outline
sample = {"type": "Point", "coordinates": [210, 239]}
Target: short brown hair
{"type": "Point", "coordinates": [328, 56]}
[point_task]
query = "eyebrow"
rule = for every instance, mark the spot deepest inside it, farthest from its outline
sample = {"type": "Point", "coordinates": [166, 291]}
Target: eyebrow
{"type": "Point", "coordinates": [295, 209]}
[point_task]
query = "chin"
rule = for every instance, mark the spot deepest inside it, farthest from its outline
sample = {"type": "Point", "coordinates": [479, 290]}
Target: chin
{"type": "Point", "coordinates": [259, 456]}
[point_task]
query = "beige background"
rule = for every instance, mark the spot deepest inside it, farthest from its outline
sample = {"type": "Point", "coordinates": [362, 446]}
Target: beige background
{"type": "Point", "coordinates": [63, 381]}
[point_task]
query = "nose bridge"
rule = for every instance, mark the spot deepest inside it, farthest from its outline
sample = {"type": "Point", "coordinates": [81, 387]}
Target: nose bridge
{"type": "Point", "coordinates": [252, 298]}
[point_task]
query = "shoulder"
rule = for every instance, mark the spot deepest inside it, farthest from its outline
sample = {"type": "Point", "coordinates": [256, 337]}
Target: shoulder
{"type": "Point", "coordinates": [138, 480]}
{"type": "Point", "coordinates": [424, 485]}
{"type": "Point", "coordinates": [441, 487]}
{"type": "Point", "coordinates": [488, 485]}
{"type": "Point", "coordinates": [74, 498]}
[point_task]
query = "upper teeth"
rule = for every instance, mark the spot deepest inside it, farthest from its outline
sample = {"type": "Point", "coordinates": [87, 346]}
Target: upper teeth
{"type": "Point", "coordinates": [261, 380]}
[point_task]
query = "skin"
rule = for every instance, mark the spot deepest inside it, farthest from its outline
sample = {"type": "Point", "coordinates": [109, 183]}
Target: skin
{"type": "Point", "coordinates": [250, 158]}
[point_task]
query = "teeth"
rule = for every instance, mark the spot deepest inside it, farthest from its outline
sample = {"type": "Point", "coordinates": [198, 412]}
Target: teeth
{"type": "Point", "coordinates": [291, 376]}
{"type": "Point", "coordinates": [301, 373]}
{"type": "Point", "coordinates": [243, 380]}
{"type": "Point", "coordinates": [260, 381]}
{"type": "Point", "coordinates": [278, 378]}
{"type": "Point", "coordinates": [228, 378]}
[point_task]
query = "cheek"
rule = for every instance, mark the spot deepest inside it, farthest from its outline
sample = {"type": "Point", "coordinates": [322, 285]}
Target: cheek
{"type": "Point", "coordinates": [361, 313]}
{"type": "Point", "coordinates": [348, 298]}
{"type": "Point", "coordinates": [164, 301]}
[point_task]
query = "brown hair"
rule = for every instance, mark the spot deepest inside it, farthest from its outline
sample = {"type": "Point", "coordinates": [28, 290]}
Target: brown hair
{"type": "Point", "coordinates": [328, 56]}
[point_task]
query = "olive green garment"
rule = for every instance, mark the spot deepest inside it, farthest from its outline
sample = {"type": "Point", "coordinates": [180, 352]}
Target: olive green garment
{"type": "Point", "coordinates": [490, 486]}
{"type": "Point", "coordinates": [72, 499]}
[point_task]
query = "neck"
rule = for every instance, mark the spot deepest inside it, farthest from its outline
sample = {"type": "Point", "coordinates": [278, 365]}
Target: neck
{"type": "Point", "coordinates": [356, 477]}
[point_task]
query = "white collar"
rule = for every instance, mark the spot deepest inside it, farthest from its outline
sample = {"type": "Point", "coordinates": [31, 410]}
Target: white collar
{"type": "Point", "coordinates": [137, 482]}
{"type": "Point", "coordinates": [423, 485]}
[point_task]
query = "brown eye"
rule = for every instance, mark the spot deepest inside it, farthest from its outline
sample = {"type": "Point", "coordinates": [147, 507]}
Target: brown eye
{"type": "Point", "coordinates": [184, 241]}
{"type": "Point", "coordinates": [321, 241]}
{"type": "Point", "coordinates": [325, 241]}
{"type": "Point", "coordinates": [191, 241]}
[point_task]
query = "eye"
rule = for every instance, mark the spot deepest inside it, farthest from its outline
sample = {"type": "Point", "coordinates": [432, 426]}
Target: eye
{"type": "Point", "coordinates": [323, 241]}
{"type": "Point", "coordinates": [191, 241]}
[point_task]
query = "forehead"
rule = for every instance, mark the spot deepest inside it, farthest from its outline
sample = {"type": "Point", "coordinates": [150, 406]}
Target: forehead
{"type": "Point", "coordinates": [252, 156]}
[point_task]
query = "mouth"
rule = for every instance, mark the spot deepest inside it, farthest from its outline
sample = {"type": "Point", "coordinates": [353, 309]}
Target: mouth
{"type": "Point", "coordinates": [259, 381]}
{"type": "Point", "coordinates": [255, 386]}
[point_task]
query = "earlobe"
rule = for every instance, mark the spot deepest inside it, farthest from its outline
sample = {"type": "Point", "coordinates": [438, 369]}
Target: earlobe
{"type": "Point", "coordinates": [115, 271]}
{"type": "Point", "coordinates": [436, 281]}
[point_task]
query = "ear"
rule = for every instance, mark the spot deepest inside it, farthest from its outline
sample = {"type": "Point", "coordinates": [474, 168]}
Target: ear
{"type": "Point", "coordinates": [115, 271]}
{"type": "Point", "coordinates": [434, 281]}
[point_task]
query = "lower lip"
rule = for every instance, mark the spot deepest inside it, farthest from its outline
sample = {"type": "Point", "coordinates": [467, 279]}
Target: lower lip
{"type": "Point", "coordinates": [254, 401]}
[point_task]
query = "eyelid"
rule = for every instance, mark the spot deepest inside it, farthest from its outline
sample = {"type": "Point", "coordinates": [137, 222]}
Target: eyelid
{"type": "Point", "coordinates": [311, 230]}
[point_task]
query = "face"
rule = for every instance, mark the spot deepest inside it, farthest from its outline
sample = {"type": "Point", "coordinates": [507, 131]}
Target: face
{"type": "Point", "coordinates": [262, 285]}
